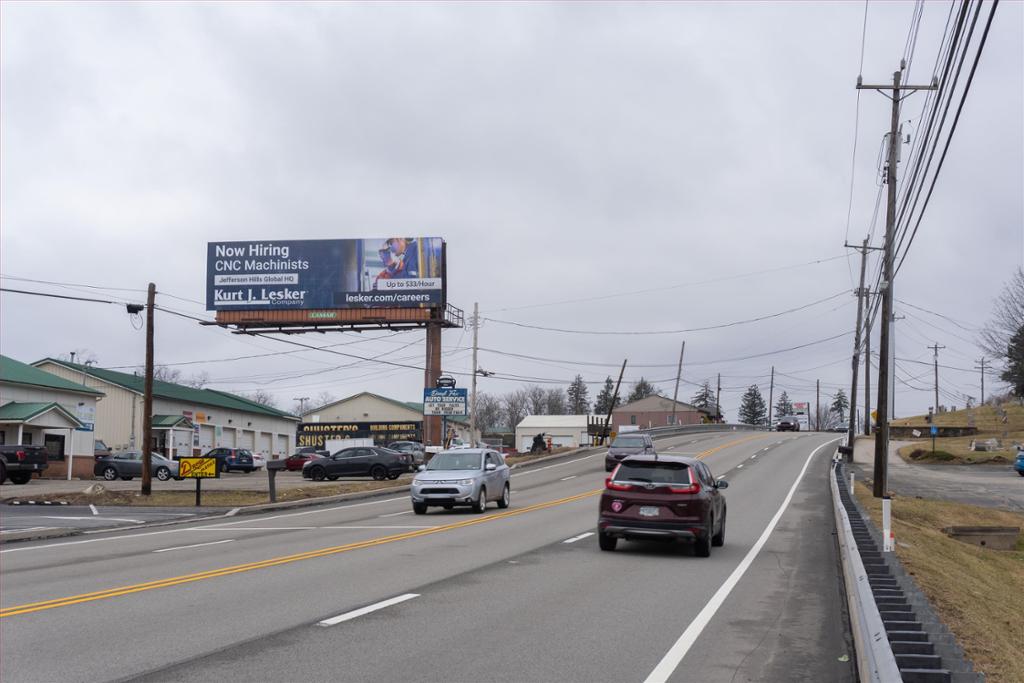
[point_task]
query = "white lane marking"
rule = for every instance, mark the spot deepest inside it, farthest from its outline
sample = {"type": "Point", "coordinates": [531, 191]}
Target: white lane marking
{"type": "Point", "coordinates": [667, 666]}
{"type": "Point", "coordinates": [303, 528]}
{"type": "Point", "coordinates": [396, 514]}
{"type": "Point", "coordinates": [317, 511]}
{"type": "Point", "coordinates": [232, 512]}
{"type": "Point", "coordinates": [94, 510]}
{"type": "Point", "coordinates": [89, 540]}
{"type": "Point", "coordinates": [739, 467]}
{"type": "Point", "coordinates": [567, 478]}
{"type": "Point", "coordinates": [194, 545]}
{"type": "Point", "coordinates": [578, 538]}
{"type": "Point", "coordinates": [366, 610]}
{"type": "Point", "coordinates": [112, 519]}
{"type": "Point", "coordinates": [560, 464]}
{"type": "Point", "coordinates": [753, 456]}
{"type": "Point", "coordinates": [722, 477]}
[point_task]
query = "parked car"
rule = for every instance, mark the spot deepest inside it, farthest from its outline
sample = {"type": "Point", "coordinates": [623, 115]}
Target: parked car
{"type": "Point", "coordinates": [465, 476]}
{"type": "Point", "coordinates": [361, 461]}
{"type": "Point", "coordinates": [127, 465]}
{"type": "Point", "coordinates": [625, 445]}
{"type": "Point", "coordinates": [17, 463]}
{"type": "Point", "coordinates": [668, 497]}
{"type": "Point", "coordinates": [229, 459]}
{"type": "Point", "coordinates": [789, 423]}
{"type": "Point", "coordinates": [100, 449]}
{"type": "Point", "coordinates": [413, 448]}
{"type": "Point", "coordinates": [1017, 465]}
{"type": "Point", "coordinates": [295, 461]}
{"type": "Point", "coordinates": [259, 461]}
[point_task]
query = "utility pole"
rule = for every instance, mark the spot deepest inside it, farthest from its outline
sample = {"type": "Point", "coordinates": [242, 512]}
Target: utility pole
{"type": "Point", "coordinates": [982, 368]}
{"type": "Point", "coordinates": [867, 374]}
{"type": "Point", "coordinates": [472, 400]}
{"type": "Point", "coordinates": [302, 403]}
{"type": "Point", "coordinates": [679, 374]}
{"type": "Point", "coordinates": [817, 406]}
{"type": "Point", "coordinates": [718, 399]}
{"type": "Point", "coordinates": [855, 364]}
{"type": "Point", "coordinates": [935, 347]}
{"type": "Point", "coordinates": [147, 401]}
{"type": "Point", "coordinates": [882, 429]}
{"type": "Point", "coordinates": [615, 399]}
{"type": "Point", "coordinates": [771, 397]}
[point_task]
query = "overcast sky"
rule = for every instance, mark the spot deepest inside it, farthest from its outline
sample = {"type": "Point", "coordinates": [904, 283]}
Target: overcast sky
{"type": "Point", "coordinates": [698, 152]}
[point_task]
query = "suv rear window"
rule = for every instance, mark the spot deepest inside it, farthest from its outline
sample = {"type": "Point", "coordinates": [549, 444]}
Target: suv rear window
{"type": "Point", "coordinates": [653, 473]}
{"type": "Point", "coordinates": [628, 442]}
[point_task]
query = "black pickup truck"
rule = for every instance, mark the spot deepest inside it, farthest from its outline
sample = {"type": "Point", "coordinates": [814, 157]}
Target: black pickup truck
{"type": "Point", "coordinates": [17, 463]}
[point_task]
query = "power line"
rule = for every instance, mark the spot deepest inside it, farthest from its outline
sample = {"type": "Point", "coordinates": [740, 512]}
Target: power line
{"type": "Point", "coordinates": [657, 332]}
{"type": "Point", "coordinates": [60, 296]}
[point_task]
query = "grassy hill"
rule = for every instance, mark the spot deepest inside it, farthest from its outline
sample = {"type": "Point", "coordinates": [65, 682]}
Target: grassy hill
{"type": "Point", "coordinates": [991, 424]}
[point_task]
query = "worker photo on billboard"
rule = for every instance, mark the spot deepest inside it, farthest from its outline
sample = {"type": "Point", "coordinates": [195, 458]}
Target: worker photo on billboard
{"type": "Point", "coordinates": [400, 258]}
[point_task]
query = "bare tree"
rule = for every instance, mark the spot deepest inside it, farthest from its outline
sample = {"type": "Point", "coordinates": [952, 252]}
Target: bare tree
{"type": "Point", "coordinates": [1007, 318]}
{"type": "Point", "coordinates": [163, 373]}
{"type": "Point", "coordinates": [490, 413]}
{"type": "Point", "coordinates": [555, 401]}
{"type": "Point", "coordinates": [322, 399]}
{"type": "Point", "coordinates": [517, 405]}
{"type": "Point", "coordinates": [538, 399]}
{"type": "Point", "coordinates": [261, 396]}
{"type": "Point", "coordinates": [198, 380]}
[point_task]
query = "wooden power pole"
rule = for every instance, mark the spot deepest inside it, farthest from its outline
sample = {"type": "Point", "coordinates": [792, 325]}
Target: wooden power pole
{"type": "Point", "coordinates": [679, 374]}
{"type": "Point", "coordinates": [147, 400]}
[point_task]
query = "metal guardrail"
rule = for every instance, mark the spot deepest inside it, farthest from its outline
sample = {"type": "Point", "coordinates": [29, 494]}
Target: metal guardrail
{"type": "Point", "coordinates": [875, 659]}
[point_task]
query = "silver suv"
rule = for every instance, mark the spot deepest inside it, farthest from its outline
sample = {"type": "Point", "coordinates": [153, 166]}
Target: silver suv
{"type": "Point", "coordinates": [467, 476]}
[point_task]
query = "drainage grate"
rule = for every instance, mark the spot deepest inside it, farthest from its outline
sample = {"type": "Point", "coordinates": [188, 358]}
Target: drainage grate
{"type": "Point", "coordinates": [925, 650]}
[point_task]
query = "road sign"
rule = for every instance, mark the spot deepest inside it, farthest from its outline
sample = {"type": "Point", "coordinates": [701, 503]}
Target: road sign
{"type": "Point", "coordinates": [197, 468]}
{"type": "Point", "coordinates": [935, 430]}
{"type": "Point", "coordinates": [445, 401]}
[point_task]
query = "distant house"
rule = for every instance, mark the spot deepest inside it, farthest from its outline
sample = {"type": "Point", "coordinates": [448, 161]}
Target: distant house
{"type": "Point", "coordinates": [656, 411]}
{"type": "Point", "coordinates": [41, 409]}
{"type": "Point", "coordinates": [368, 415]}
{"type": "Point", "coordinates": [563, 430]}
{"type": "Point", "coordinates": [186, 420]}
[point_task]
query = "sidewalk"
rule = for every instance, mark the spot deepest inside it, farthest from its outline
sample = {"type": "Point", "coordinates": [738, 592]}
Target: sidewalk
{"type": "Point", "coordinates": [983, 485]}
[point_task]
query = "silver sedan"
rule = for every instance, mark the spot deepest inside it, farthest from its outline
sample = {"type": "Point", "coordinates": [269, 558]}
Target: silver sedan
{"type": "Point", "coordinates": [467, 476]}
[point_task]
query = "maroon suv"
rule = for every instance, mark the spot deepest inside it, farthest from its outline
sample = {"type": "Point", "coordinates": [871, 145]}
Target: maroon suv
{"type": "Point", "coordinates": [662, 498]}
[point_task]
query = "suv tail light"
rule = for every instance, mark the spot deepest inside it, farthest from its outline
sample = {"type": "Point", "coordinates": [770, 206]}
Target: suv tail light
{"type": "Point", "coordinates": [20, 455]}
{"type": "Point", "coordinates": [612, 485]}
{"type": "Point", "coordinates": [692, 487]}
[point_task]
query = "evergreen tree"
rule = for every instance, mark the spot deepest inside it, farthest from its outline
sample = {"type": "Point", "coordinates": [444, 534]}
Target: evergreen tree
{"type": "Point", "coordinates": [579, 401]}
{"type": "Point", "coordinates": [603, 404]}
{"type": "Point", "coordinates": [642, 389]}
{"type": "Point", "coordinates": [555, 402]}
{"type": "Point", "coordinates": [704, 398]}
{"type": "Point", "coordinates": [1013, 373]}
{"type": "Point", "coordinates": [752, 407]}
{"type": "Point", "coordinates": [840, 404]}
{"type": "Point", "coordinates": [783, 406]}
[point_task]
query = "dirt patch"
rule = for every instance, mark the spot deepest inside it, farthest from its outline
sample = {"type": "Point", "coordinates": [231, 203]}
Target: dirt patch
{"type": "Point", "coordinates": [211, 498]}
{"type": "Point", "coordinates": [978, 593]}
{"type": "Point", "coordinates": [953, 452]}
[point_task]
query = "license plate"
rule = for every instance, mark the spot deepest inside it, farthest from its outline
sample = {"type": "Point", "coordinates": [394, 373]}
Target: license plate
{"type": "Point", "coordinates": [649, 511]}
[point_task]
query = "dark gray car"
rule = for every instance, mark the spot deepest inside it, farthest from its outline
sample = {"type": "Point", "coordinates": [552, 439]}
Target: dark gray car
{"type": "Point", "coordinates": [466, 476]}
{"type": "Point", "coordinates": [624, 445]}
{"type": "Point", "coordinates": [128, 464]}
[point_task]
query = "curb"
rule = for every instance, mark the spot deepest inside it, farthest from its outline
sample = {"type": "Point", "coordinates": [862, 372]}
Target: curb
{"type": "Point", "coordinates": [16, 536]}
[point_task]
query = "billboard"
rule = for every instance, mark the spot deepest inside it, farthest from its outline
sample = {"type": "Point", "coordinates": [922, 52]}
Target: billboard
{"type": "Point", "coordinates": [445, 401]}
{"type": "Point", "coordinates": [317, 434]}
{"type": "Point", "coordinates": [388, 272]}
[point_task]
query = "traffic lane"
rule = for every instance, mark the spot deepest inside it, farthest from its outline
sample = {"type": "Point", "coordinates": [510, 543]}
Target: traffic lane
{"type": "Point", "coordinates": [786, 619]}
{"type": "Point", "coordinates": [88, 517]}
{"type": "Point", "coordinates": [565, 612]}
{"type": "Point", "coordinates": [207, 615]}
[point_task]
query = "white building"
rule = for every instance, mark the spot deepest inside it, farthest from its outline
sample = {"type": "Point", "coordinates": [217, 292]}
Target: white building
{"type": "Point", "coordinates": [564, 430]}
{"type": "Point", "coordinates": [186, 421]}
{"type": "Point", "coordinates": [37, 408]}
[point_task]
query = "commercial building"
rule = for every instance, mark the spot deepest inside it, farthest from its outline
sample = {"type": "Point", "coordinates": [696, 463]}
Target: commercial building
{"type": "Point", "coordinates": [368, 415]}
{"type": "Point", "coordinates": [656, 411]}
{"type": "Point", "coordinates": [186, 421]}
{"type": "Point", "coordinates": [41, 409]}
{"type": "Point", "coordinates": [563, 430]}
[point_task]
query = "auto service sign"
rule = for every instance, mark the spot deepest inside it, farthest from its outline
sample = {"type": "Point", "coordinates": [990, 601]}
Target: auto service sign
{"type": "Point", "coordinates": [447, 401]}
{"type": "Point", "coordinates": [386, 272]}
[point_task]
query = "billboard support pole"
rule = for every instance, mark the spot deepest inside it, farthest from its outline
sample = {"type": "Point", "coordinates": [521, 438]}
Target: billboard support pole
{"type": "Point", "coordinates": [432, 423]}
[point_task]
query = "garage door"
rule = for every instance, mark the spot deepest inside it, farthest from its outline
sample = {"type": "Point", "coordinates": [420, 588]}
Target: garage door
{"type": "Point", "coordinates": [284, 446]}
{"type": "Point", "coordinates": [247, 439]}
{"type": "Point", "coordinates": [205, 438]}
{"type": "Point", "coordinates": [266, 444]}
{"type": "Point", "coordinates": [228, 437]}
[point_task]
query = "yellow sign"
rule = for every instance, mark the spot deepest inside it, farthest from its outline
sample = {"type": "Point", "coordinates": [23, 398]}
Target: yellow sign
{"type": "Point", "coordinates": [197, 468]}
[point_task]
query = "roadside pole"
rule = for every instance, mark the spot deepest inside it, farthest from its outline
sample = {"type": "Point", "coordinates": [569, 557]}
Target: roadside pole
{"type": "Point", "coordinates": [147, 405]}
{"type": "Point", "coordinates": [472, 400]}
{"type": "Point", "coordinates": [935, 347]}
{"type": "Point", "coordinates": [855, 365]}
{"type": "Point", "coordinates": [771, 397]}
{"type": "Point", "coordinates": [982, 368]}
{"type": "Point", "coordinates": [882, 428]}
{"type": "Point", "coordinates": [615, 398]}
{"type": "Point", "coordinates": [817, 405]}
{"type": "Point", "coordinates": [718, 399]}
{"type": "Point", "coordinates": [679, 374]}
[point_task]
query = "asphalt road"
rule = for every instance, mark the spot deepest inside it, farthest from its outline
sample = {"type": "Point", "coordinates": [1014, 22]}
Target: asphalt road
{"type": "Point", "coordinates": [513, 595]}
{"type": "Point", "coordinates": [23, 517]}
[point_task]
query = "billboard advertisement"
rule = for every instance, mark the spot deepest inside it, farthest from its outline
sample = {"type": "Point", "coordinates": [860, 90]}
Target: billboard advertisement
{"type": "Point", "coordinates": [317, 434]}
{"type": "Point", "coordinates": [387, 272]}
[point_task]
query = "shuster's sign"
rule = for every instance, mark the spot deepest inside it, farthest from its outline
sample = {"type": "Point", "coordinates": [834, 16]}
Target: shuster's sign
{"type": "Point", "coordinates": [391, 272]}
